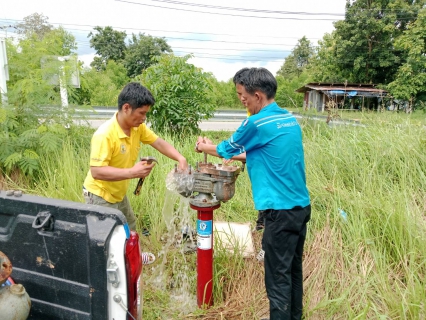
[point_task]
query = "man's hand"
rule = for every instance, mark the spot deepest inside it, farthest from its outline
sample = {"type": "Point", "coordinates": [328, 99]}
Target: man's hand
{"type": "Point", "coordinates": [183, 164]}
{"type": "Point", "coordinates": [200, 142]}
{"type": "Point", "coordinates": [142, 169]}
{"type": "Point", "coordinates": [227, 161]}
{"type": "Point", "coordinates": [197, 144]}
{"type": "Point", "coordinates": [207, 140]}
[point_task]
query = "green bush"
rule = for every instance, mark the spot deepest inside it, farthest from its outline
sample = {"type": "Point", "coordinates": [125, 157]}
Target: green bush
{"type": "Point", "coordinates": [181, 93]}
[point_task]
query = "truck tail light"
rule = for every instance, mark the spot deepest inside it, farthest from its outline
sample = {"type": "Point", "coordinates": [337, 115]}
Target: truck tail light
{"type": "Point", "coordinates": [133, 271]}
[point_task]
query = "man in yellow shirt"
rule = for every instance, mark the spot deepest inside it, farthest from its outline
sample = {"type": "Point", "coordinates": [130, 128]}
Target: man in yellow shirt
{"type": "Point", "coordinates": [115, 147]}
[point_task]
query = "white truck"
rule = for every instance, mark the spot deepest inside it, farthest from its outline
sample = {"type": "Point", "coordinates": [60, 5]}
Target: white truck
{"type": "Point", "coordinates": [76, 261]}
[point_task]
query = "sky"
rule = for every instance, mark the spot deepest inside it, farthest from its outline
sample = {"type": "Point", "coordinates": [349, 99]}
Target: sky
{"type": "Point", "coordinates": [223, 36]}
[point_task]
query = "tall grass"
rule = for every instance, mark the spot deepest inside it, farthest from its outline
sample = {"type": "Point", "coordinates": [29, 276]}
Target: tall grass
{"type": "Point", "coordinates": [63, 172]}
{"type": "Point", "coordinates": [417, 117]}
{"type": "Point", "coordinates": [373, 263]}
{"type": "Point", "coordinates": [367, 264]}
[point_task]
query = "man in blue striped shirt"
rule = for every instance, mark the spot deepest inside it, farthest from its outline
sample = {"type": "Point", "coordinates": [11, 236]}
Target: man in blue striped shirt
{"type": "Point", "coordinates": [270, 141]}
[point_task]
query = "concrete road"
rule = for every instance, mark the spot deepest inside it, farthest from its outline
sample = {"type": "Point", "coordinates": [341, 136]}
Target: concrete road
{"type": "Point", "coordinates": [204, 126]}
{"type": "Point", "coordinates": [231, 123]}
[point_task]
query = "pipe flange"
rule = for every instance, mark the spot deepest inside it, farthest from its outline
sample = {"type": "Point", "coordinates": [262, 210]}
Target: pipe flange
{"type": "Point", "coordinates": [204, 200]}
{"type": "Point", "coordinates": [202, 204]}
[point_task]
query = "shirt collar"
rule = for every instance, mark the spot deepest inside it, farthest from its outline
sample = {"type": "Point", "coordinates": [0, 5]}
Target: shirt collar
{"type": "Point", "coordinates": [271, 105]}
{"type": "Point", "coordinates": [120, 131]}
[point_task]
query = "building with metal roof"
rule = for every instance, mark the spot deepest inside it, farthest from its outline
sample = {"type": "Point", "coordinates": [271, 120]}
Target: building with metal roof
{"type": "Point", "coordinates": [352, 95]}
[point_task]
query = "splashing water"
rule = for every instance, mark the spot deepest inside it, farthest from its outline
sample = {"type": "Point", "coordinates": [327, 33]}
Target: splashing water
{"type": "Point", "coordinates": [178, 217]}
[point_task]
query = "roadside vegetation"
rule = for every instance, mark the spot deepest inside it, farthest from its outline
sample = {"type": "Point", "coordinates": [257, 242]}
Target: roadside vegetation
{"type": "Point", "coordinates": [366, 262]}
{"type": "Point", "coordinates": [366, 117]}
{"type": "Point", "coordinates": [365, 256]}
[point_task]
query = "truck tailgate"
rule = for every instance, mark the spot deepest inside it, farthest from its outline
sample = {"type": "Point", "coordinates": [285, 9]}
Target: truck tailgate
{"type": "Point", "coordinates": [58, 250]}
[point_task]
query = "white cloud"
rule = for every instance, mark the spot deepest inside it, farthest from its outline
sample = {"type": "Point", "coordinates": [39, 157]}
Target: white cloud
{"type": "Point", "coordinates": [86, 59]}
{"type": "Point", "coordinates": [221, 44]}
{"type": "Point", "coordinates": [225, 71]}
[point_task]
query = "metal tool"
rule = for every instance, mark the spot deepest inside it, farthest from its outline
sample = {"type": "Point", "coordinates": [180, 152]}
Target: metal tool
{"type": "Point", "coordinates": [148, 160]}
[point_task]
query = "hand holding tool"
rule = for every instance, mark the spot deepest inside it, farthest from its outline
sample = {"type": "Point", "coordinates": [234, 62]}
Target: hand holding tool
{"type": "Point", "coordinates": [148, 160]}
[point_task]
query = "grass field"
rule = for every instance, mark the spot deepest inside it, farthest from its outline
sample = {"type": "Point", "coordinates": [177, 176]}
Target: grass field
{"type": "Point", "coordinates": [371, 116]}
{"type": "Point", "coordinates": [369, 263]}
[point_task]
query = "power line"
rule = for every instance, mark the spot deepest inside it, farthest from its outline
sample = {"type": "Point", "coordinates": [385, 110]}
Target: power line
{"type": "Point", "coordinates": [156, 30]}
{"type": "Point", "coordinates": [237, 59]}
{"type": "Point", "coordinates": [87, 44]}
{"type": "Point", "coordinates": [228, 55]}
{"type": "Point", "coordinates": [246, 9]}
{"type": "Point", "coordinates": [241, 57]}
{"type": "Point", "coordinates": [7, 27]}
{"type": "Point", "coordinates": [253, 10]}
{"type": "Point", "coordinates": [201, 40]}
{"type": "Point", "coordinates": [225, 14]}
{"type": "Point", "coordinates": [249, 49]}
{"type": "Point", "coordinates": [281, 12]}
{"type": "Point", "coordinates": [225, 56]}
{"type": "Point", "coordinates": [220, 41]}
{"type": "Point", "coordinates": [231, 49]}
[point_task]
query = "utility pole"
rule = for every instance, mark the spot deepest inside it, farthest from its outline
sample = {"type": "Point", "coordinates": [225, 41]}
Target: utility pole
{"type": "Point", "coordinates": [4, 70]}
{"type": "Point", "coordinates": [62, 82]}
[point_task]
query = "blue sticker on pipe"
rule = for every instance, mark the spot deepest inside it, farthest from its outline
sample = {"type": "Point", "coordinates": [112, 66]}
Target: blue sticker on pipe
{"type": "Point", "coordinates": [204, 234]}
{"type": "Point", "coordinates": [204, 227]}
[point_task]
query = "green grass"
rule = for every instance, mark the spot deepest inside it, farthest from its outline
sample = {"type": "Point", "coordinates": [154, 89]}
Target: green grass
{"type": "Point", "coordinates": [370, 266]}
{"type": "Point", "coordinates": [371, 116]}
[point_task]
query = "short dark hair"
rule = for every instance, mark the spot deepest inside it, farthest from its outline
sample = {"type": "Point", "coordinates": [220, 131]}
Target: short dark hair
{"type": "Point", "coordinates": [136, 95]}
{"type": "Point", "coordinates": [240, 75]}
{"type": "Point", "coordinates": [254, 79]}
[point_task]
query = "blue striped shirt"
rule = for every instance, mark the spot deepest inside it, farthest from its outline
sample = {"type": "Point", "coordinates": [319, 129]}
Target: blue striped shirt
{"type": "Point", "coordinates": [272, 140]}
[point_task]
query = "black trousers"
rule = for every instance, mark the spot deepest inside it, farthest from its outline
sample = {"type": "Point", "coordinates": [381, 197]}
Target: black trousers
{"type": "Point", "coordinates": [260, 222]}
{"type": "Point", "coordinates": [283, 241]}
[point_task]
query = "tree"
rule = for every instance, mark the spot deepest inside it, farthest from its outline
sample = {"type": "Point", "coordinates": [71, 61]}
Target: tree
{"type": "Point", "coordinates": [59, 42]}
{"type": "Point", "coordinates": [141, 51]}
{"type": "Point", "coordinates": [30, 79]}
{"type": "Point", "coordinates": [324, 67]}
{"type": "Point", "coordinates": [117, 73]}
{"type": "Point", "coordinates": [101, 88]}
{"type": "Point", "coordinates": [365, 50]}
{"type": "Point", "coordinates": [35, 23]}
{"type": "Point", "coordinates": [109, 45]}
{"type": "Point", "coordinates": [33, 124]}
{"type": "Point", "coordinates": [303, 53]}
{"type": "Point", "coordinates": [286, 96]}
{"type": "Point", "coordinates": [293, 74]}
{"type": "Point", "coordinates": [181, 93]}
{"type": "Point", "coordinates": [362, 48]}
{"type": "Point", "coordinates": [289, 67]}
{"type": "Point", "coordinates": [410, 80]}
{"type": "Point", "coordinates": [223, 94]}
{"type": "Point", "coordinates": [298, 59]}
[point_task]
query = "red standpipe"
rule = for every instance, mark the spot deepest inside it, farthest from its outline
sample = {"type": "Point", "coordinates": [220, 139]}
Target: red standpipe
{"type": "Point", "coordinates": [204, 255]}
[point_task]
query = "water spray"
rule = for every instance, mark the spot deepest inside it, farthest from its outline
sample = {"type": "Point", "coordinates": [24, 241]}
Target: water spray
{"type": "Point", "coordinates": [213, 184]}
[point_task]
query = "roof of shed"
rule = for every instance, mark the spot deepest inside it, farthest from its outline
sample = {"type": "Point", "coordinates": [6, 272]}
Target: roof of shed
{"type": "Point", "coordinates": [342, 87]}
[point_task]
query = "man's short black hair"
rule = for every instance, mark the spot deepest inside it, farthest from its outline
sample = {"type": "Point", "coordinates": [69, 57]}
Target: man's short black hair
{"type": "Point", "coordinates": [136, 95]}
{"type": "Point", "coordinates": [240, 75]}
{"type": "Point", "coordinates": [257, 79]}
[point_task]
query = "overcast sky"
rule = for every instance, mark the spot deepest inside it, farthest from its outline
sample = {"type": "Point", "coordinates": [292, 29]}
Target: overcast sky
{"type": "Point", "coordinates": [224, 36]}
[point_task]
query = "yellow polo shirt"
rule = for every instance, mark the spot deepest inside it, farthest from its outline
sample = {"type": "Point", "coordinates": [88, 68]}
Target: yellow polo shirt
{"type": "Point", "coordinates": [110, 146]}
